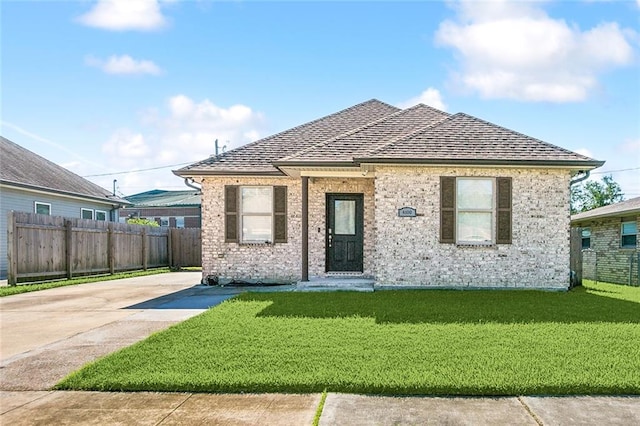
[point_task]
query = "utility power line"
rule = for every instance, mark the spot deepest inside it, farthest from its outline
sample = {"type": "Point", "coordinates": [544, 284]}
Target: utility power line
{"type": "Point", "coordinates": [614, 171]}
{"type": "Point", "coordinates": [139, 170]}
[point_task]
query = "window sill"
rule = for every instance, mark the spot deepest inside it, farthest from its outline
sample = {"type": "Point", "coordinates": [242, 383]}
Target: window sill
{"type": "Point", "coordinates": [476, 246]}
{"type": "Point", "coordinates": [256, 243]}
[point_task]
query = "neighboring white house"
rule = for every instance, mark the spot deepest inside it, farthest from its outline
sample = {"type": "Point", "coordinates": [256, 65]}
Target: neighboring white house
{"type": "Point", "coordinates": [31, 183]}
{"type": "Point", "coordinates": [413, 197]}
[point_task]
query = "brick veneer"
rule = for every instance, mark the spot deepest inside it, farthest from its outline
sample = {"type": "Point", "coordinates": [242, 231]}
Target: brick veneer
{"type": "Point", "coordinates": [404, 251]}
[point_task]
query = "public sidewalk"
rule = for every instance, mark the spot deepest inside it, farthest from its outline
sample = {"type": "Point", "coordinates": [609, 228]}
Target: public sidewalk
{"type": "Point", "coordinates": [144, 408]}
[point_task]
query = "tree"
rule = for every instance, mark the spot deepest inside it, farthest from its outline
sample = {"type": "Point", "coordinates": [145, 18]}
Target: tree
{"type": "Point", "coordinates": [593, 194]}
{"type": "Point", "coordinates": [142, 221]}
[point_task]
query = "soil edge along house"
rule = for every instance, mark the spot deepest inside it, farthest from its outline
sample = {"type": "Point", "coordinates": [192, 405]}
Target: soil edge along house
{"type": "Point", "coordinates": [408, 197]}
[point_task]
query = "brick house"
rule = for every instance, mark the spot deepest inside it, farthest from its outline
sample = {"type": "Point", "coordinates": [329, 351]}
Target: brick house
{"type": "Point", "coordinates": [172, 209]}
{"type": "Point", "coordinates": [407, 197]}
{"type": "Point", "coordinates": [610, 247]}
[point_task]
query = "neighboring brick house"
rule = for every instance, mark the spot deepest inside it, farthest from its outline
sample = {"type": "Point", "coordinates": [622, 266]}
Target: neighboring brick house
{"type": "Point", "coordinates": [413, 197]}
{"type": "Point", "coordinates": [31, 183]}
{"type": "Point", "coordinates": [173, 209]}
{"type": "Point", "coordinates": [610, 246]}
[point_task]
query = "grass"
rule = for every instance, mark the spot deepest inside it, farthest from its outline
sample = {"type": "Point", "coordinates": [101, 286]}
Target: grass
{"type": "Point", "coordinates": [29, 287]}
{"type": "Point", "coordinates": [392, 342]}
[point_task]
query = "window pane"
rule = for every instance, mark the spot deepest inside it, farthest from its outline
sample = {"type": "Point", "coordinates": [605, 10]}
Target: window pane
{"type": "Point", "coordinates": [43, 208]}
{"type": "Point", "coordinates": [100, 215]}
{"type": "Point", "coordinates": [474, 227]}
{"type": "Point", "coordinates": [475, 193]}
{"type": "Point", "coordinates": [586, 232]}
{"type": "Point", "coordinates": [629, 241]}
{"type": "Point", "coordinates": [87, 214]}
{"type": "Point", "coordinates": [257, 200]}
{"type": "Point", "coordinates": [345, 217]}
{"type": "Point", "coordinates": [256, 228]}
{"type": "Point", "coordinates": [180, 222]}
{"type": "Point", "coordinates": [629, 228]}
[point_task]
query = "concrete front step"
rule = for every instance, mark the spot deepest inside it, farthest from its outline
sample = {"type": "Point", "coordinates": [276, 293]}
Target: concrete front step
{"type": "Point", "coordinates": [336, 284]}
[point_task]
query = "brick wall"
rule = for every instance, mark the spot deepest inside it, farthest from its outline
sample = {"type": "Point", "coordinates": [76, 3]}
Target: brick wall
{"type": "Point", "coordinates": [255, 262]}
{"type": "Point", "coordinates": [404, 251]}
{"type": "Point", "coordinates": [408, 251]}
{"type": "Point", "coordinates": [606, 260]}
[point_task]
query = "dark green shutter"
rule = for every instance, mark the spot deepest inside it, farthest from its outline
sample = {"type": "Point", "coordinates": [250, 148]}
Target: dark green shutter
{"type": "Point", "coordinates": [231, 213]}
{"type": "Point", "coordinates": [503, 207]}
{"type": "Point", "coordinates": [280, 214]}
{"type": "Point", "coordinates": [447, 209]}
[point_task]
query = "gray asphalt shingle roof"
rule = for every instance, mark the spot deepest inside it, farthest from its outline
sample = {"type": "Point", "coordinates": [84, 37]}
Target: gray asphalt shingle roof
{"type": "Point", "coordinates": [23, 168]}
{"type": "Point", "coordinates": [463, 137]}
{"type": "Point", "coordinates": [374, 132]}
{"type": "Point", "coordinates": [623, 208]}
{"type": "Point", "coordinates": [369, 137]}
{"type": "Point", "coordinates": [257, 157]}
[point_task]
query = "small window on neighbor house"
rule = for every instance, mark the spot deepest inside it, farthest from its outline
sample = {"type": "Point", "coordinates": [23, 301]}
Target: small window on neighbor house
{"type": "Point", "coordinates": [628, 234]}
{"type": "Point", "coordinates": [164, 221]}
{"type": "Point", "coordinates": [179, 221]}
{"type": "Point", "coordinates": [101, 215]}
{"type": "Point", "coordinates": [586, 238]}
{"type": "Point", "coordinates": [42, 208]}
{"type": "Point", "coordinates": [86, 214]}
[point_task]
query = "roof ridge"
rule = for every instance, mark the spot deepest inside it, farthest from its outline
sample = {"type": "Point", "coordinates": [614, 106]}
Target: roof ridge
{"type": "Point", "coordinates": [351, 132]}
{"type": "Point", "coordinates": [224, 154]}
{"type": "Point", "coordinates": [415, 132]}
{"type": "Point", "coordinates": [565, 150]}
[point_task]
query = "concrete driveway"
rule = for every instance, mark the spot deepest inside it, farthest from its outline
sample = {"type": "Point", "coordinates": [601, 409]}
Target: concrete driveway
{"type": "Point", "coordinates": [47, 334]}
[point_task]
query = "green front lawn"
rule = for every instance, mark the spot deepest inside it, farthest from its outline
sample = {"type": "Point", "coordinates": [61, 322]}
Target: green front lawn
{"type": "Point", "coordinates": [586, 341]}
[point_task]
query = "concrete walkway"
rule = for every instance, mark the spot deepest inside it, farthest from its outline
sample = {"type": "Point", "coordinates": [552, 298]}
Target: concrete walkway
{"type": "Point", "coordinates": [46, 335]}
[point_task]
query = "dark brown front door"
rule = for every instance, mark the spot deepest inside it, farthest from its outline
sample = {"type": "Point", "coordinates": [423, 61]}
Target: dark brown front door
{"type": "Point", "coordinates": [345, 232]}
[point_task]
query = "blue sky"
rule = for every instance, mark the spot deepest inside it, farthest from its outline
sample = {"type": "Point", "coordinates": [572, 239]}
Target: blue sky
{"type": "Point", "coordinates": [104, 87]}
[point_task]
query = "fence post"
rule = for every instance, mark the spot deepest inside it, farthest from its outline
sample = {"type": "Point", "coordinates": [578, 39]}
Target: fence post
{"type": "Point", "coordinates": [170, 247]}
{"type": "Point", "coordinates": [144, 248]}
{"type": "Point", "coordinates": [68, 227]}
{"type": "Point", "coordinates": [111, 249]}
{"type": "Point", "coordinates": [12, 248]}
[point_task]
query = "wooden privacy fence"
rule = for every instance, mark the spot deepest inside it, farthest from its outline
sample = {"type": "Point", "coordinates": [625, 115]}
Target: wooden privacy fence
{"type": "Point", "coordinates": [43, 247]}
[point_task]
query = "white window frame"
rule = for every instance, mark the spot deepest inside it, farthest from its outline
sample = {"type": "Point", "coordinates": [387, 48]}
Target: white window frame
{"type": "Point", "coordinates": [165, 221]}
{"type": "Point", "coordinates": [82, 210]}
{"type": "Point", "coordinates": [243, 215]}
{"type": "Point", "coordinates": [622, 234]}
{"type": "Point", "coordinates": [582, 237]}
{"type": "Point", "coordinates": [102, 212]}
{"type": "Point", "coordinates": [40, 203]}
{"type": "Point", "coordinates": [491, 210]}
{"type": "Point", "coordinates": [179, 222]}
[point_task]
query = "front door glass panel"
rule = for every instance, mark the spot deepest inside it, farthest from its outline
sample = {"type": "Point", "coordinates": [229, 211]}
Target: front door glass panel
{"type": "Point", "coordinates": [345, 217]}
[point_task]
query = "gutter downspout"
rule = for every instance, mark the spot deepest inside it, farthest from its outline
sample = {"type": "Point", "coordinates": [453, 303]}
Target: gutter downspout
{"type": "Point", "coordinates": [191, 185]}
{"type": "Point", "coordinates": [581, 178]}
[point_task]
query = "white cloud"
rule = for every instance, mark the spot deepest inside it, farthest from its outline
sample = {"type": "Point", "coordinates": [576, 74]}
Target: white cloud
{"type": "Point", "coordinates": [123, 15]}
{"type": "Point", "coordinates": [515, 50]}
{"type": "Point", "coordinates": [124, 64]}
{"type": "Point", "coordinates": [431, 97]}
{"type": "Point", "coordinates": [184, 130]}
{"type": "Point", "coordinates": [585, 152]}
{"type": "Point", "coordinates": [631, 145]}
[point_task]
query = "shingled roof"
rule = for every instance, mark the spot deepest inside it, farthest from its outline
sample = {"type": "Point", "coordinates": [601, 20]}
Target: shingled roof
{"type": "Point", "coordinates": [375, 132]}
{"type": "Point", "coordinates": [624, 208]}
{"type": "Point", "coordinates": [26, 169]}
{"type": "Point", "coordinates": [462, 138]}
{"type": "Point", "coordinates": [257, 157]}
{"type": "Point", "coordinates": [369, 137]}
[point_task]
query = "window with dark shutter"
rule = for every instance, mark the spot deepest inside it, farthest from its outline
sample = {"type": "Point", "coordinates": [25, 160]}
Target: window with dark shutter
{"type": "Point", "coordinates": [231, 213]}
{"type": "Point", "coordinates": [280, 214]}
{"type": "Point", "coordinates": [503, 213]}
{"type": "Point", "coordinates": [447, 209]}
